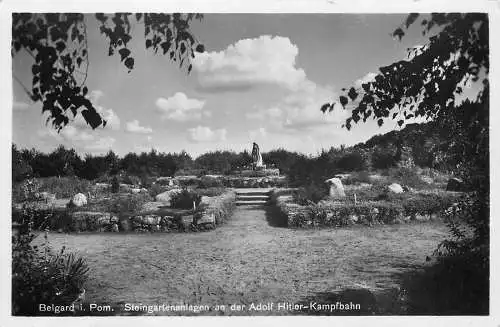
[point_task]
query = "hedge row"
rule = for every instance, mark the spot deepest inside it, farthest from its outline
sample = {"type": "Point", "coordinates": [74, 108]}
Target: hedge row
{"type": "Point", "coordinates": [336, 214]}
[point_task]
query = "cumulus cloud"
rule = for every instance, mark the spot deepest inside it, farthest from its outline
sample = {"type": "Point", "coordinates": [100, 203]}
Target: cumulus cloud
{"type": "Point", "coordinates": [102, 144]}
{"type": "Point", "coordinates": [95, 95]}
{"type": "Point", "coordinates": [206, 134]}
{"type": "Point", "coordinates": [180, 108]}
{"type": "Point", "coordinates": [112, 120]}
{"type": "Point", "coordinates": [300, 110]}
{"type": "Point", "coordinates": [134, 127]}
{"type": "Point", "coordinates": [370, 77]}
{"type": "Point", "coordinates": [257, 133]}
{"type": "Point", "coordinates": [69, 133]}
{"type": "Point", "coordinates": [265, 114]}
{"type": "Point", "coordinates": [248, 63]}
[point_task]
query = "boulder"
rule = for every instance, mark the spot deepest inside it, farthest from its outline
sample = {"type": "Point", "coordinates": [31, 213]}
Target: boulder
{"type": "Point", "coordinates": [455, 185]}
{"type": "Point", "coordinates": [79, 200]}
{"type": "Point", "coordinates": [166, 196]}
{"type": "Point", "coordinates": [336, 187]}
{"type": "Point", "coordinates": [114, 228]}
{"type": "Point", "coordinates": [206, 219]}
{"type": "Point", "coordinates": [395, 188]}
{"type": "Point", "coordinates": [135, 190]}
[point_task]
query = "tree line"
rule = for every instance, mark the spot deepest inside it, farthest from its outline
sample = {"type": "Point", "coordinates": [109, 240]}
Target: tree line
{"type": "Point", "coordinates": [416, 141]}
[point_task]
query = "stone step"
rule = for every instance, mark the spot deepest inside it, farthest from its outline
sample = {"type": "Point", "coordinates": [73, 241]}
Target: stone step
{"type": "Point", "coordinates": [252, 197]}
{"type": "Point", "coordinates": [251, 193]}
{"type": "Point", "coordinates": [256, 202]}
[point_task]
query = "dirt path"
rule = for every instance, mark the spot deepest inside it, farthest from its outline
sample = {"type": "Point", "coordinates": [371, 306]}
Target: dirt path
{"type": "Point", "coordinates": [250, 259]}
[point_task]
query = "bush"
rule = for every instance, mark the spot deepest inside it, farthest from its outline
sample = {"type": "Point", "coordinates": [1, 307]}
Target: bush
{"type": "Point", "coordinates": [311, 193]}
{"type": "Point", "coordinates": [131, 180]}
{"type": "Point", "coordinates": [343, 214]}
{"type": "Point", "coordinates": [127, 203]}
{"type": "Point", "coordinates": [40, 275]}
{"type": "Point", "coordinates": [383, 158]}
{"type": "Point", "coordinates": [353, 161]}
{"type": "Point", "coordinates": [407, 176]}
{"type": "Point", "coordinates": [207, 182]}
{"type": "Point", "coordinates": [115, 184]}
{"type": "Point", "coordinates": [64, 187]}
{"type": "Point", "coordinates": [156, 189]}
{"type": "Point", "coordinates": [211, 192]}
{"type": "Point", "coordinates": [357, 177]}
{"type": "Point", "coordinates": [185, 199]}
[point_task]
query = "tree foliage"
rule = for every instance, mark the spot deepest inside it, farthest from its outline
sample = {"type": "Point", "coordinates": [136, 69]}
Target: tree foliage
{"type": "Point", "coordinates": [426, 84]}
{"type": "Point", "coordinates": [58, 44]}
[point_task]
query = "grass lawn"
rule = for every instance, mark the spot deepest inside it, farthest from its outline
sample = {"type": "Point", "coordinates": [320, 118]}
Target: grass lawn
{"type": "Point", "coordinates": [248, 260]}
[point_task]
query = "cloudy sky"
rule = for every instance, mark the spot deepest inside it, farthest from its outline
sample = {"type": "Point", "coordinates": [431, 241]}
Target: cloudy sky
{"type": "Point", "coordinates": [263, 78]}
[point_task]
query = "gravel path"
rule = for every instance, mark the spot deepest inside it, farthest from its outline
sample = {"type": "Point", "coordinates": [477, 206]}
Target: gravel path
{"type": "Point", "coordinates": [250, 260]}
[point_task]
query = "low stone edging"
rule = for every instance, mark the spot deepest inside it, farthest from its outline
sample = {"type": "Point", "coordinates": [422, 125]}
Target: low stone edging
{"type": "Point", "coordinates": [338, 214]}
{"type": "Point", "coordinates": [212, 211]}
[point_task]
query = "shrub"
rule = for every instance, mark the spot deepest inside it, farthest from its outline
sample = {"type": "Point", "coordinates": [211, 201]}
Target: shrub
{"type": "Point", "coordinates": [212, 191]}
{"type": "Point", "coordinates": [125, 203]}
{"type": "Point", "coordinates": [185, 199]}
{"type": "Point", "coordinates": [207, 182]}
{"type": "Point", "coordinates": [156, 189]}
{"type": "Point", "coordinates": [42, 276]}
{"type": "Point", "coordinates": [131, 180]}
{"type": "Point", "coordinates": [407, 176]}
{"type": "Point", "coordinates": [383, 158]}
{"type": "Point", "coordinates": [64, 187]}
{"type": "Point", "coordinates": [313, 192]}
{"type": "Point", "coordinates": [357, 177]}
{"type": "Point", "coordinates": [353, 161]}
{"type": "Point", "coordinates": [115, 184]}
{"type": "Point", "coordinates": [342, 214]}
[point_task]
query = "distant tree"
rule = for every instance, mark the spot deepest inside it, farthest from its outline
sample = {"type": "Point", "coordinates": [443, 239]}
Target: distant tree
{"type": "Point", "coordinates": [112, 163]}
{"type": "Point", "coordinates": [58, 44]}
{"type": "Point", "coordinates": [281, 158]}
{"type": "Point", "coordinates": [21, 169]}
{"type": "Point", "coordinates": [219, 162]}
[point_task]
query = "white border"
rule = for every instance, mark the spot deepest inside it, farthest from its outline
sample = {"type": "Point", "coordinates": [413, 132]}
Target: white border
{"type": "Point", "coordinates": [250, 6]}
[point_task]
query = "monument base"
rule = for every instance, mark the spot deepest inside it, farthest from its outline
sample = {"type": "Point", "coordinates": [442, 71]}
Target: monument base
{"type": "Point", "coordinates": [263, 172]}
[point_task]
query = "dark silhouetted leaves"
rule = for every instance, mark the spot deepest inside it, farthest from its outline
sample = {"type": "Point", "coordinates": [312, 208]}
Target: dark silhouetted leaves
{"type": "Point", "coordinates": [124, 53]}
{"type": "Point", "coordinates": [352, 94]}
{"type": "Point", "coordinates": [398, 33]}
{"type": "Point", "coordinates": [129, 63]}
{"type": "Point", "coordinates": [200, 48]}
{"type": "Point", "coordinates": [411, 19]}
{"type": "Point", "coordinates": [58, 44]}
{"type": "Point", "coordinates": [343, 100]}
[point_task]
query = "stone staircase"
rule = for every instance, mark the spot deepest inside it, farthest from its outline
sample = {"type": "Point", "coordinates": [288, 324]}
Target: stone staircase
{"type": "Point", "coordinates": [254, 196]}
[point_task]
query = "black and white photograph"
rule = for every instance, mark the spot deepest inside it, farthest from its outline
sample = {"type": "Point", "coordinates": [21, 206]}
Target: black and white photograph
{"type": "Point", "coordinates": [184, 162]}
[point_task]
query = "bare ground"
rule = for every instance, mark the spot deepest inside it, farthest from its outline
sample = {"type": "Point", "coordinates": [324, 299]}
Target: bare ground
{"type": "Point", "coordinates": [252, 259]}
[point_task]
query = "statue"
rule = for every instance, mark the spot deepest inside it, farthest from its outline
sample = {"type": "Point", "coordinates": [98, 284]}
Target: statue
{"type": "Point", "coordinates": [256, 157]}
